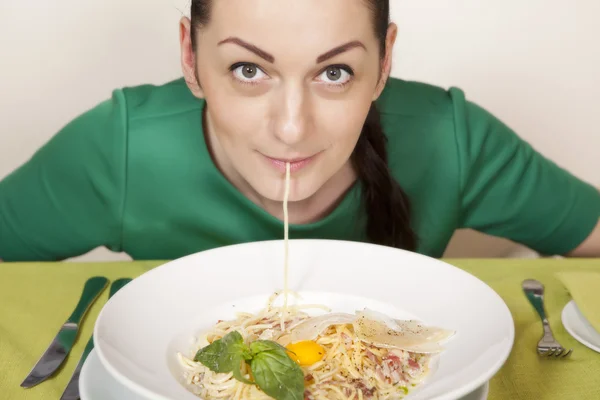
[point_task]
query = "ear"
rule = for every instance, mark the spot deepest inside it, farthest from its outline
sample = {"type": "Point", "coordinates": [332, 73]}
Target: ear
{"type": "Point", "coordinates": [188, 57]}
{"type": "Point", "coordinates": [386, 66]}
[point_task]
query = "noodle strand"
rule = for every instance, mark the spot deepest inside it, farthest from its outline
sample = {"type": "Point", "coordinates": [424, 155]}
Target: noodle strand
{"type": "Point", "coordinates": [286, 196]}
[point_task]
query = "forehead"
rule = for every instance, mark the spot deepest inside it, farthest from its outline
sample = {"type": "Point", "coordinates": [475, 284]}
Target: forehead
{"type": "Point", "coordinates": [281, 25]}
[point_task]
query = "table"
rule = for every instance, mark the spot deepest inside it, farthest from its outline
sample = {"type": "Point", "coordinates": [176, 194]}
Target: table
{"type": "Point", "coordinates": [36, 298]}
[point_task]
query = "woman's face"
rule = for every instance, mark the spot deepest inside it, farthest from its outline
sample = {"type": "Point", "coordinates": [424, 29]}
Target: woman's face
{"type": "Point", "coordinates": [285, 81]}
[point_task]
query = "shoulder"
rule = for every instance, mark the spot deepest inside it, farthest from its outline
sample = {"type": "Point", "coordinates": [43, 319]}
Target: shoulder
{"type": "Point", "coordinates": [161, 120]}
{"type": "Point", "coordinates": [421, 118]}
{"type": "Point", "coordinates": [421, 121]}
{"type": "Point", "coordinates": [156, 101]}
{"type": "Point", "coordinates": [164, 136]}
{"type": "Point", "coordinates": [416, 99]}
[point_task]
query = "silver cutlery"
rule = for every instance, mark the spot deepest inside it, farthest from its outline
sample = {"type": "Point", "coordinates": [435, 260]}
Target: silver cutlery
{"type": "Point", "coordinates": [548, 345]}
{"type": "Point", "coordinates": [72, 389]}
{"type": "Point", "coordinates": [60, 347]}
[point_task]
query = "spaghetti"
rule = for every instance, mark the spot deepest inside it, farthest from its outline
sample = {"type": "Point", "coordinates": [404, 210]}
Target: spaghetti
{"type": "Point", "coordinates": [349, 368]}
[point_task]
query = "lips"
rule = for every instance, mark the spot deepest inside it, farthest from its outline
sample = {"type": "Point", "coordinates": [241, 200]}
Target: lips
{"type": "Point", "coordinates": [291, 161]}
{"type": "Point", "coordinates": [296, 164]}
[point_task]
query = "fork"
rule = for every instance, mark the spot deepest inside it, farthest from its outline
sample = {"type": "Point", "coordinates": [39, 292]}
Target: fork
{"type": "Point", "coordinates": [548, 345]}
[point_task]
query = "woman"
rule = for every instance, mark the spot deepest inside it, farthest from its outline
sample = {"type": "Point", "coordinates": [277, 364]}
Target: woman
{"type": "Point", "coordinates": [163, 171]}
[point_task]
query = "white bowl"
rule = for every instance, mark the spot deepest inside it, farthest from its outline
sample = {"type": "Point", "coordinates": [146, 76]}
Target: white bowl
{"type": "Point", "coordinates": [142, 327]}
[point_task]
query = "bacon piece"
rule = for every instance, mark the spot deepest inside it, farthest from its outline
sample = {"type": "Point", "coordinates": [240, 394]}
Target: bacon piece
{"type": "Point", "coordinates": [367, 392]}
{"type": "Point", "coordinates": [371, 356]}
{"type": "Point", "coordinates": [391, 368]}
{"type": "Point", "coordinates": [413, 364]}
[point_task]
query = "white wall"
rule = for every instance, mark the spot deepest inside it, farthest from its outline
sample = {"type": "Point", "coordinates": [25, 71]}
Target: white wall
{"type": "Point", "coordinates": [533, 63]}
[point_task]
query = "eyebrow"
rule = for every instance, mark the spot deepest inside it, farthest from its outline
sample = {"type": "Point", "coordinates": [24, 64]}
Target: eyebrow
{"type": "Point", "coordinates": [339, 50]}
{"type": "Point", "coordinates": [270, 58]}
{"type": "Point", "coordinates": [250, 47]}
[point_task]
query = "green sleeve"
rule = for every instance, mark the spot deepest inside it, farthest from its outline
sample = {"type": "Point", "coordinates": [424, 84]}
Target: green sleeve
{"type": "Point", "coordinates": [68, 198]}
{"type": "Point", "coordinates": [511, 191]}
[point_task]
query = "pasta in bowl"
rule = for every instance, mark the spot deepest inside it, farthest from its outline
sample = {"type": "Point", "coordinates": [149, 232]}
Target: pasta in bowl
{"type": "Point", "coordinates": [285, 353]}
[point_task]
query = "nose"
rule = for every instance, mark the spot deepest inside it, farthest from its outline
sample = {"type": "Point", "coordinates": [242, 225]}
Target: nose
{"type": "Point", "coordinates": [292, 110]}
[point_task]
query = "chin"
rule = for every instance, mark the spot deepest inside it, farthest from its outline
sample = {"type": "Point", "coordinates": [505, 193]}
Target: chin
{"type": "Point", "coordinates": [274, 190]}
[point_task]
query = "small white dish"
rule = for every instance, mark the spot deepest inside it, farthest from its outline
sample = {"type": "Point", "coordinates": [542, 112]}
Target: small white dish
{"type": "Point", "coordinates": [579, 327]}
{"type": "Point", "coordinates": [95, 383]}
{"type": "Point", "coordinates": [142, 327]}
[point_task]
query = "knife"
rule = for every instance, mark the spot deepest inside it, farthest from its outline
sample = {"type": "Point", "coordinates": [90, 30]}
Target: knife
{"type": "Point", "coordinates": [72, 390]}
{"type": "Point", "coordinates": [60, 347]}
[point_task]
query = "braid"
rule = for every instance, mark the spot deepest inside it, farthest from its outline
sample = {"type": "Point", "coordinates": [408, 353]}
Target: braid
{"type": "Point", "coordinates": [387, 206]}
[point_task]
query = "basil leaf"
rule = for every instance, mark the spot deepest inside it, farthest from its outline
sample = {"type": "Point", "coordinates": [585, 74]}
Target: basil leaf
{"type": "Point", "coordinates": [276, 373]}
{"type": "Point", "coordinates": [224, 355]}
{"type": "Point", "coordinates": [237, 372]}
{"type": "Point", "coordinates": [210, 355]}
{"type": "Point", "coordinates": [266, 345]}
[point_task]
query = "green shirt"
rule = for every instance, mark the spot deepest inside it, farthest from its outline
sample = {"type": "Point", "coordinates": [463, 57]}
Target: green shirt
{"type": "Point", "coordinates": [134, 174]}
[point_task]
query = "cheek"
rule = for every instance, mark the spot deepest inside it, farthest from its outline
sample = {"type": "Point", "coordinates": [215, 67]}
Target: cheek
{"type": "Point", "coordinates": [236, 119]}
{"type": "Point", "coordinates": [341, 124]}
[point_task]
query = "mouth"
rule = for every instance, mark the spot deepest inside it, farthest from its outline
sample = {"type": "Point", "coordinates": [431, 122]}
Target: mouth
{"type": "Point", "coordinates": [296, 163]}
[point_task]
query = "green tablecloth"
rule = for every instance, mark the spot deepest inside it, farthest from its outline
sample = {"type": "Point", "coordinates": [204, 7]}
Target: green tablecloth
{"type": "Point", "coordinates": [36, 298]}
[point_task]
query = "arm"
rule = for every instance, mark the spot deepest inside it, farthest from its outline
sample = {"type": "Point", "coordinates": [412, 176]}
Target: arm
{"type": "Point", "coordinates": [590, 247]}
{"type": "Point", "coordinates": [510, 190]}
{"type": "Point", "coordinates": [68, 199]}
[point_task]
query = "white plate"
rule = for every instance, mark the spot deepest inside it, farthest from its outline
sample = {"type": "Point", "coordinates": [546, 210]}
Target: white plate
{"type": "Point", "coordinates": [95, 383]}
{"type": "Point", "coordinates": [144, 325]}
{"type": "Point", "coordinates": [579, 327]}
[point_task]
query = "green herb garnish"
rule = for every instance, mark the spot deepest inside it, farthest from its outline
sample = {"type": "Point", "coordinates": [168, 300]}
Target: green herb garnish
{"type": "Point", "coordinates": [274, 372]}
{"type": "Point", "coordinates": [225, 354]}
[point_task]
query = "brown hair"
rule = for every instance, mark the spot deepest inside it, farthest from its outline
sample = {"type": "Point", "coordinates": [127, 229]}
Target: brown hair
{"type": "Point", "coordinates": [387, 206]}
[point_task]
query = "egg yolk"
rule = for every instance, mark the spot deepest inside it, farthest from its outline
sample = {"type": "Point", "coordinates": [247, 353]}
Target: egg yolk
{"type": "Point", "coordinates": [306, 353]}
